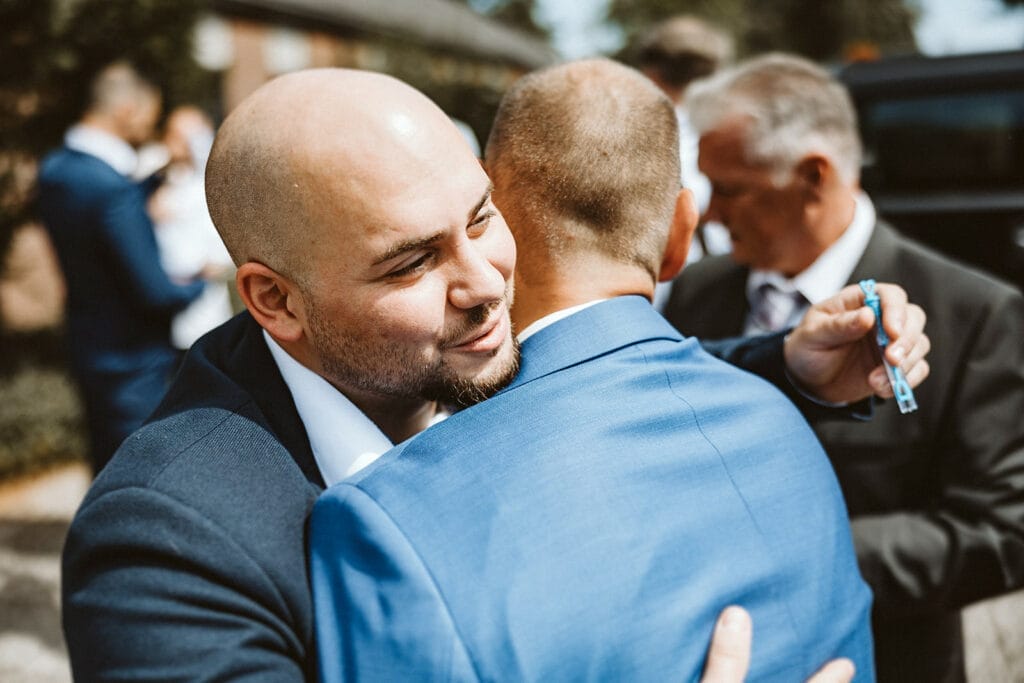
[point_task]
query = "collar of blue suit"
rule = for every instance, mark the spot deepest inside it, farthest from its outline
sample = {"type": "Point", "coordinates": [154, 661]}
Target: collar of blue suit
{"type": "Point", "coordinates": [594, 331]}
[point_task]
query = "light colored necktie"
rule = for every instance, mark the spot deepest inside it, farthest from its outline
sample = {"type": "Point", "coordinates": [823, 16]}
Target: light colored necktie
{"type": "Point", "coordinates": [772, 307]}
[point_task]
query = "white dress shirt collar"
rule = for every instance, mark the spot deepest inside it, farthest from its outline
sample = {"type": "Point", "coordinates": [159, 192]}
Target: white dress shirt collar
{"type": "Point", "coordinates": [832, 269]}
{"type": "Point", "coordinates": [105, 146]}
{"type": "Point", "coordinates": [551, 318]}
{"type": "Point", "coordinates": [343, 439]}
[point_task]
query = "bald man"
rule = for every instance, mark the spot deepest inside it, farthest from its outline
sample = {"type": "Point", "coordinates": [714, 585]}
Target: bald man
{"type": "Point", "coordinates": [376, 272]}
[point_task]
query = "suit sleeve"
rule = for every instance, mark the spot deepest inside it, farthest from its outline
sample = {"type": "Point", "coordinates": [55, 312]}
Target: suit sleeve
{"type": "Point", "coordinates": [764, 356]}
{"type": "Point", "coordinates": [128, 233]}
{"type": "Point", "coordinates": [969, 544]}
{"type": "Point", "coordinates": [154, 591]}
{"type": "Point", "coordinates": [378, 613]}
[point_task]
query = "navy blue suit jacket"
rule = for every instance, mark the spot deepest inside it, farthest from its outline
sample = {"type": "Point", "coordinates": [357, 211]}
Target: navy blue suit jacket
{"type": "Point", "coordinates": [186, 561]}
{"type": "Point", "coordinates": [119, 300]}
{"type": "Point", "coordinates": [590, 522]}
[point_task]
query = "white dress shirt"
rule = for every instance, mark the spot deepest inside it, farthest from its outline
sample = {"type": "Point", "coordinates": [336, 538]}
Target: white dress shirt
{"type": "Point", "coordinates": [827, 275]}
{"type": "Point", "coordinates": [343, 439]}
{"type": "Point", "coordinates": [552, 318]}
{"type": "Point", "coordinates": [189, 242]}
{"type": "Point", "coordinates": [105, 146]}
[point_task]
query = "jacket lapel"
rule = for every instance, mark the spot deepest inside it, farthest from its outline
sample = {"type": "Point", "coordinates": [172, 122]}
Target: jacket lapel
{"type": "Point", "coordinates": [877, 259]}
{"type": "Point", "coordinates": [727, 319]}
{"type": "Point", "coordinates": [231, 366]}
{"type": "Point", "coordinates": [711, 299]}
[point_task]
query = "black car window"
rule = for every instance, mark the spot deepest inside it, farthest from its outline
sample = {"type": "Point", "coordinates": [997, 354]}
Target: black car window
{"type": "Point", "coordinates": [945, 143]}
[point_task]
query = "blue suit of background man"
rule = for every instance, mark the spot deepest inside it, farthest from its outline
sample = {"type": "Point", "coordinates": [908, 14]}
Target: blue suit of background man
{"type": "Point", "coordinates": [590, 522]}
{"type": "Point", "coordinates": [120, 301]}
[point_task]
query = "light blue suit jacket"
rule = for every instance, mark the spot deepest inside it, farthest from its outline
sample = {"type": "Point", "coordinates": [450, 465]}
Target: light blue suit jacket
{"type": "Point", "coordinates": [589, 523]}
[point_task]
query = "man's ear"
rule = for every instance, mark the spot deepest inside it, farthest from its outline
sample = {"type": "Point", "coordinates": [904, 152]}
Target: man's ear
{"type": "Point", "coordinates": [684, 222]}
{"type": "Point", "coordinates": [272, 299]}
{"type": "Point", "coordinates": [814, 171]}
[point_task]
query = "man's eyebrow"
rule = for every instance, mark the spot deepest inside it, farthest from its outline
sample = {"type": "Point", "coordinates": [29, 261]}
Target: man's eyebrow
{"type": "Point", "coordinates": [413, 245]}
{"type": "Point", "coordinates": [408, 245]}
{"type": "Point", "coordinates": [483, 200]}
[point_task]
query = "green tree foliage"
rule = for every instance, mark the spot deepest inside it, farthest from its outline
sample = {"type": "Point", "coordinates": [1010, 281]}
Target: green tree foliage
{"type": "Point", "coordinates": [51, 48]}
{"type": "Point", "coordinates": [820, 30]}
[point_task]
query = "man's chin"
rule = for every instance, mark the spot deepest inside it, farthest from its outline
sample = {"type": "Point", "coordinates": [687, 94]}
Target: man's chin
{"type": "Point", "coordinates": [462, 390]}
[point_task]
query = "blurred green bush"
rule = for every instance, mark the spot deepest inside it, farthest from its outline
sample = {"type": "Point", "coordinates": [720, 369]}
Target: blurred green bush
{"type": "Point", "coordinates": [41, 420]}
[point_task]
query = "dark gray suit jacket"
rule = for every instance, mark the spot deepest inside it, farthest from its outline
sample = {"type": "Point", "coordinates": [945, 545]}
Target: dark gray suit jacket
{"type": "Point", "coordinates": [936, 497]}
{"type": "Point", "coordinates": [187, 559]}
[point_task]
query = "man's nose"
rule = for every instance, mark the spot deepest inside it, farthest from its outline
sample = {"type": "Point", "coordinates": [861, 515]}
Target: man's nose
{"type": "Point", "coordinates": [475, 281]}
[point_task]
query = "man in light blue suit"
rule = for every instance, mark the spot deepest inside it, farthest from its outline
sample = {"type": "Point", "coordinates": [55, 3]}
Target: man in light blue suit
{"type": "Point", "coordinates": [590, 520]}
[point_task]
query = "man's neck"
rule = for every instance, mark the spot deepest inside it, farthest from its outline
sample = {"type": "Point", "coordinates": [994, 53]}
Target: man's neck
{"type": "Point", "coordinates": [399, 419]}
{"type": "Point", "coordinates": [555, 287]}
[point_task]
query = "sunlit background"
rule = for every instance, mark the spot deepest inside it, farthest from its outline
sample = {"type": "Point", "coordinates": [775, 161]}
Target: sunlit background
{"type": "Point", "coordinates": [212, 53]}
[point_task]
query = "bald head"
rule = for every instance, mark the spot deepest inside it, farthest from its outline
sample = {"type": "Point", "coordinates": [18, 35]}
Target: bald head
{"type": "Point", "coordinates": [585, 157]}
{"type": "Point", "coordinates": [366, 241]}
{"type": "Point", "coordinates": [304, 145]}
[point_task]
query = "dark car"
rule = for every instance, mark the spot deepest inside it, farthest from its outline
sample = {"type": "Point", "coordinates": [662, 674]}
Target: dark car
{"type": "Point", "coordinates": [944, 152]}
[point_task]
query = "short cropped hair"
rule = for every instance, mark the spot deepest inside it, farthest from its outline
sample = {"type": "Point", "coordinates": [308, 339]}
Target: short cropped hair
{"type": "Point", "coordinates": [683, 49]}
{"type": "Point", "coordinates": [587, 154]}
{"type": "Point", "coordinates": [795, 108]}
{"type": "Point", "coordinates": [246, 176]}
{"type": "Point", "coordinates": [116, 84]}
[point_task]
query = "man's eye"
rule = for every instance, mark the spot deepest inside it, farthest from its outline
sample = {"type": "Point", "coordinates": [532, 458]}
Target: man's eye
{"type": "Point", "coordinates": [413, 267]}
{"type": "Point", "coordinates": [480, 223]}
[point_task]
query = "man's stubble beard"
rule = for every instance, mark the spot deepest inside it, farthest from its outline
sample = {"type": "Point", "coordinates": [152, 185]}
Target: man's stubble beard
{"type": "Point", "coordinates": [368, 366]}
{"type": "Point", "coordinates": [458, 392]}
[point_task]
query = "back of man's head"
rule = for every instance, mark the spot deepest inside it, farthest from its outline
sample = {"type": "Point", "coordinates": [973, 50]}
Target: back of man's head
{"type": "Point", "coordinates": [793, 108]}
{"type": "Point", "coordinates": [125, 101]}
{"type": "Point", "coordinates": [682, 49]}
{"type": "Point", "coordinates": [585, 158]}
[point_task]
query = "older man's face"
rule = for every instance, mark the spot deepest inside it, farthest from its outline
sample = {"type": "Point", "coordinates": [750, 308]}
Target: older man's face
{"type": "Point", "coordinates": [765, 221]}
{"type": "Point", "coordinates": [412, 278]}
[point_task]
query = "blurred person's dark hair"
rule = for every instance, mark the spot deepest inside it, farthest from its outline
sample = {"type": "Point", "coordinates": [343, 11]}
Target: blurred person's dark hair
{"type": "Point", "coordinates": [680, 50]}
{"type": "Point", "coordinates": [124, 102]}
{"type": "Point", "coordinates": [117, 83]}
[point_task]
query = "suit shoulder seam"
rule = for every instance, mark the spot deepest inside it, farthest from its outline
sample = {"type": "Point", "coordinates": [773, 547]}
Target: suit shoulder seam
{"type": "Point", "coordinates": [232, 412]}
